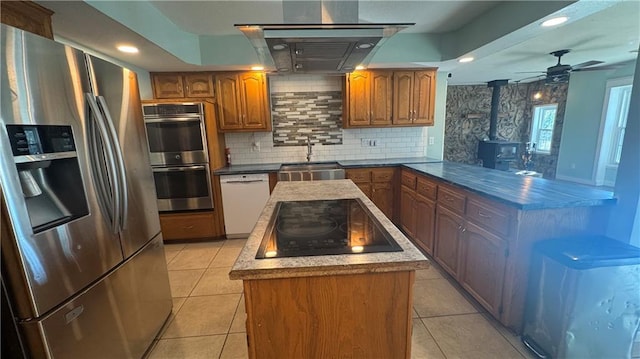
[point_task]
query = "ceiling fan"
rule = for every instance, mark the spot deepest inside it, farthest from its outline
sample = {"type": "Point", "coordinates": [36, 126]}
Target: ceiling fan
{"type": "Point", "coordinates": [559, 73]}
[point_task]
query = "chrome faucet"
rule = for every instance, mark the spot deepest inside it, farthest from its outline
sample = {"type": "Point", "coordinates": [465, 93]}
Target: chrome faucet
{"type": "Point", "coordinates": [309, 150]}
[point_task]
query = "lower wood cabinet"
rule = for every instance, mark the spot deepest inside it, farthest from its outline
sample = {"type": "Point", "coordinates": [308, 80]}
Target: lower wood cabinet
{"type": "Point", "coordinates": [484, 244]}
{"type": "Point", "coordinates": [377, 184]}
{"type": "Point", "coordinates": [425, 210]}
{"type": "Point", "coordinates": [188, 225]}
{"type": "Point", "coordinates": [448, 233]}
{"type": "Point", "coordinates": [408, 211]}
{"type": "Point", "coordinates": [482, 265]}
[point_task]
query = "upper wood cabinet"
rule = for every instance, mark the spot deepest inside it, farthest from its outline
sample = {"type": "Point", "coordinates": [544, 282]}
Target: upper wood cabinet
{"type": "Point", "coordinates": [413, 97]}
{"type": "Point", "coordinates": [243, 103]}
{"type": "Point", "coordinates": [27, 16]}
{"type": "Point", "coordinates": [368, 100]}
{"type": "Point", "coordinates": [383, 98]}
{"type": "Point", "coordinates": [183, 85]}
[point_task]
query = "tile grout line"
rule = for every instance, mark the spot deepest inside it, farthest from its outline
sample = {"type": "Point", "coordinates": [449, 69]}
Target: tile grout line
{"type": "Point", "coordinates": [434, 338]}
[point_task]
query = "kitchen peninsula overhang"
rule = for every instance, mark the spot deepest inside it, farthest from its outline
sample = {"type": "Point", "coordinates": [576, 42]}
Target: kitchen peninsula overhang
{"type": "Point", "coordinates": [248, 267]}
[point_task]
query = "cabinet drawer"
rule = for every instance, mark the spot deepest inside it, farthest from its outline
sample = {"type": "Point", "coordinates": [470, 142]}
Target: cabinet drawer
{"type": "Point", "coordinates": [382, 175]}
{"type": "Point", "coordinates": [187, 225]}
{"type": "Point", "coordinates": [488, 215]}
{"type": "Point", "coordinates": [359, 175]}
{"type": "Point", "coordinates": [408, 180]}
{"type": "Point", "coordinates": [427, 188]}
{"type": "Point", "coordinates": [451, 198]}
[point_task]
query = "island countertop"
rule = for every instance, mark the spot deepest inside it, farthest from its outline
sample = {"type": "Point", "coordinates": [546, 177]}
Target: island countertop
{"type": "Point", "coordinates": [523, 192]}
{"type": "Point", "coordinates": [248, 267]}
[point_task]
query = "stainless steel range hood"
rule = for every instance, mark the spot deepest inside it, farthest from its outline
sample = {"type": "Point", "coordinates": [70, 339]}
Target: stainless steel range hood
{"type": "Point", "coordinates": [322, 46]}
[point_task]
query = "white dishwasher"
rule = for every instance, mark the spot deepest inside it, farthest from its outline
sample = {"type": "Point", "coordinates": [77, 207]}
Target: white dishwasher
{"type": "Point", "coordinates": [243, 198]}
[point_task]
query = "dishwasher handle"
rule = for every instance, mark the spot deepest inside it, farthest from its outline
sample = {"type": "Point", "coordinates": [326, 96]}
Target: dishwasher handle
{"type": "Point", "coordinates": [247, 181]}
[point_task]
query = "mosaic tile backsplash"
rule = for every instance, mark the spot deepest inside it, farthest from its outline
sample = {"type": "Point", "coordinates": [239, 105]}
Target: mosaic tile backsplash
{"type": "Point", "coordinates": [299, 117]}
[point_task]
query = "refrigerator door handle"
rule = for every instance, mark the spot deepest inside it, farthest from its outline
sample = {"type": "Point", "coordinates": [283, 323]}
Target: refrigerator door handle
{"type": "Point", "coordinates": [114, 205]}
{"type": "Point", "coordinates": [122, 175]}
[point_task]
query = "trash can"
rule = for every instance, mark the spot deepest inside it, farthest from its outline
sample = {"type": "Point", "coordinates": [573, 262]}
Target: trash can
{"type": "Point", "coordinates": [583, 299]}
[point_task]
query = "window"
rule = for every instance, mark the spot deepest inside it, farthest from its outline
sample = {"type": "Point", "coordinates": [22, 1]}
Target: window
{"type": "Point", "coordinates": [618, 108]}
{"type": "Point", "coordinates": [544, 120]}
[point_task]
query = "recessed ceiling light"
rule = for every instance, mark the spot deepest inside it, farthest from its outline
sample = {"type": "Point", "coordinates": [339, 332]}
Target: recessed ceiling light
{"type": "Point", "coordinates": [257, 68]}
{"type": "Point", "coordinates": [359, 67]}
{"type": "Point", "coordinates": [128, 49]}
{"type": "Point", "coordinates": [555, 21]}
{"type": "Point", "coordinates": [366, 45]}
{"type": "Point", "coordinates": [466, 59]}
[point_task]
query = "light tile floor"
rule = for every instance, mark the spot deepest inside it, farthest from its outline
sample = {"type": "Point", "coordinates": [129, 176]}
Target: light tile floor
{"type": "Point", "coordinates": [208, 314]}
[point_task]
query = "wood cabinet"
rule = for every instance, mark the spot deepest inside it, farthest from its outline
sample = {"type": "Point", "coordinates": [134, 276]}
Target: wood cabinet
{"type": "Point", "coordinates": [484, 244]}
{"type": "Point", "coordinates": [183, 85]}
{"type": "Point", "coordinates": [448, 234]}
{"type": "Point", "coordinates": [243, 103]}
{"type": "Point", "coordinates": [413, 97]}
{"type": "Point", "coordinates": [188, 225]}
{"type": "Point", "coordinates": [482, 266]}
{"type": "Point", "coordinates": [377, 184]}
{"type": "Point", "coordinates": [368, 100]}
{"type": "Point", "coordinates": [389, 98]}
{"type": "Point", "coordinates": [27, 16]}
{"type": "Point", "coordinates": [339, 316]}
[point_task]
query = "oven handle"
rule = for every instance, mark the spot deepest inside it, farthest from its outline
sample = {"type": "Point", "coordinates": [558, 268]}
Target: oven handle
{"type": "Point", "coordinates": [173, 119]}
{"type": "Point", "coordinates": [181, 168]}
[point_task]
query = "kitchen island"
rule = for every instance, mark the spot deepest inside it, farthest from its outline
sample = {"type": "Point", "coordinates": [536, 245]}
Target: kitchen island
{"type": "Point", "coordinates": [341, 305]}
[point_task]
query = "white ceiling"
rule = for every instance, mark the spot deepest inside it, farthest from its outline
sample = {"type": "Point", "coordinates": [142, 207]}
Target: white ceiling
{"type": "Point", "coordinates": [597, 30]}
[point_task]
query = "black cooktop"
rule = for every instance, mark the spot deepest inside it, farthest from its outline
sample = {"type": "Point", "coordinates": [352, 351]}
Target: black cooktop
{"type": "Point", "coordinates": [322, 227]}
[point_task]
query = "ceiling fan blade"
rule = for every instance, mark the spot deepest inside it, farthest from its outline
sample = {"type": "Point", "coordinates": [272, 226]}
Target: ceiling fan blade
{"type": "Point", "coordinates": [598, 68]}
{"type": "Point", "coordinates": [530, 72]}
{"type": "Point", "coordinates": [586, 64]}
{"type": "Point", "coordinates": [532, 77]}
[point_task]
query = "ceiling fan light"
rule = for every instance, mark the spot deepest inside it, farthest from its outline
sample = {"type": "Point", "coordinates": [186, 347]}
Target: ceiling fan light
{"type": "Point", "coordinates": [554, 21]}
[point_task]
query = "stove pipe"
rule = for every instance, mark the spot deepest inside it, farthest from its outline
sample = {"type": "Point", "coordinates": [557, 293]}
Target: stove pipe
{"type": "Point", "coordinates": [495, 103]}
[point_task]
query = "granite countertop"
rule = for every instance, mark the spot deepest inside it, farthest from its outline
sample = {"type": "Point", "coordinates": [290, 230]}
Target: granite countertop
{"type": "Point", "coordinates": [524, 192]}
{"type": "Point", "coordinates": [274, 167]}
{"type": "Point", "coordinates": [247, 267]}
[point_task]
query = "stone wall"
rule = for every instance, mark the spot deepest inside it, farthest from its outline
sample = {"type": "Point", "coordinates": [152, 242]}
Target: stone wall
{"type": "Point", "coordinates": [467, 120]}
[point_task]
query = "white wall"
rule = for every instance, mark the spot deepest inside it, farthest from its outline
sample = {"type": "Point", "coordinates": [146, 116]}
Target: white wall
{"type": "Point", "coordinates": [390, 142]}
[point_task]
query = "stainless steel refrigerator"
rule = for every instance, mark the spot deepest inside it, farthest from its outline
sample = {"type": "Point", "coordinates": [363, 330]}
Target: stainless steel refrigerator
{"type": "Point", "coordinates": [82, 253]}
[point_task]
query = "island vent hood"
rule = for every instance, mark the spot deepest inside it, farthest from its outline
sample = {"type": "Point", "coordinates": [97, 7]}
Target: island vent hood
{"type": "Point", "coordinates": [318, 37]}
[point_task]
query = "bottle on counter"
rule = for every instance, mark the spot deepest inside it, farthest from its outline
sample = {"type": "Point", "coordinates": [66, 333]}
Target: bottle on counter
{"type": "Point", "coordinates": [227, 155]}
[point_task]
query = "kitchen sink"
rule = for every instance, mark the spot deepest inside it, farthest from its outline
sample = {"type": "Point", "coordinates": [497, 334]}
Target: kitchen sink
{"type": "Point", "coordinates": [310, 171]}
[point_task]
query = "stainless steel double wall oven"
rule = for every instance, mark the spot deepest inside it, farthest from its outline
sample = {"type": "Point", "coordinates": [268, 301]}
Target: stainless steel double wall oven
{"type": "Point", "coordinates": [177, 140]}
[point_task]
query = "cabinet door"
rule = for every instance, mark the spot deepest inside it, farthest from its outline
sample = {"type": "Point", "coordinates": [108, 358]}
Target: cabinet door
{"type": "Point", "coordinates": [382, 197]}
{"type": "Point", "coordinates": [198, 85]}
{"type": "Point", "coordinates": [423, 97]}
{"type": "Point", "coordinates": [168, 86]}
{"type": "Point", "coordinates": [425, 223]}
{"type": "Point", "coordinates": [381, 96]}
{"type": "Point", "coordinates": [253, 89]}
{"type": "Point", "coordinates": [359, 99]}
{"type": "Point", "coordinates": [447, 239]}
{"type": "Point", "coordinates": [402, 97]}
{"type": "Point", "coordinates": [229, 103]}
{"type": "Point", "coordinates": [483, 262]}
{"type": "Point", "coordinates": [407, 211]}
